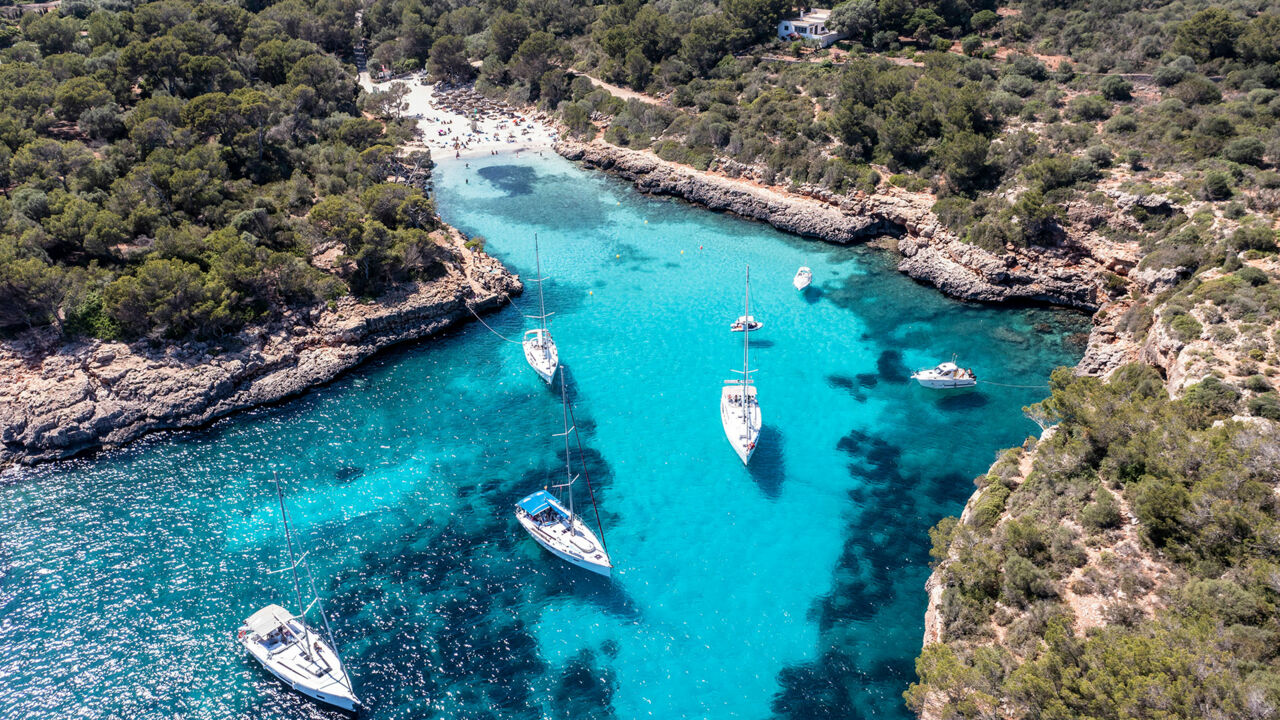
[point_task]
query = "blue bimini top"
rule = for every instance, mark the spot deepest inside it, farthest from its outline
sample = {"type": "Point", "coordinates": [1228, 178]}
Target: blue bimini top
{"type": "Point", "coordinates": [537, 502]}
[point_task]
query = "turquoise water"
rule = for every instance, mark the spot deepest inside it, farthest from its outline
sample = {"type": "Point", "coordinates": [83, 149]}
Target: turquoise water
{"type": "Point", "coordinates": [793, 588]}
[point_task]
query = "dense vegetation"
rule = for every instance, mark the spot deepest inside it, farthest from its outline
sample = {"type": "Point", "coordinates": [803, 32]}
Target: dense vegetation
{"type": "Point", "coordinates": [966, 106]}
{"type": "Point", "coordinates": [1200, 638]}
{"type": "Point", "coordinates": [170, 169]}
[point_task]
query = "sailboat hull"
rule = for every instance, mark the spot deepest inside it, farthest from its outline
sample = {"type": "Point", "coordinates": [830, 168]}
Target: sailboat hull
{"type": "Point", "coordinates": [571, 541]}
{"type": "Point", "coordinates": [598, 569]}
{"type": "Point", "coordinates": [741, 429]}
{"type": "Point", "coordinates": [541, 354]}
{"type": "Point", "coordinates": [328, 685]}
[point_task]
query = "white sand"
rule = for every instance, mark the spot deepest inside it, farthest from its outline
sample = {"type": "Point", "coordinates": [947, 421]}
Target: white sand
{"type": "Point", "coordinates": [463, 137]}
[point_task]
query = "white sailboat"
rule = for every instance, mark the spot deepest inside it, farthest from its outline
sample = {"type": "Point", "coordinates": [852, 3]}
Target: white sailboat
{"type": "Point", "coordinates": [539, 349]}
{"type": "Point", "coordinates": [739, 406]}
{"type": "Point", "coordinates": [557, 527]}
{"type": "Point", "coordinates": [804, 276]}
{"type": "Point", "coordinates": [291, 649]}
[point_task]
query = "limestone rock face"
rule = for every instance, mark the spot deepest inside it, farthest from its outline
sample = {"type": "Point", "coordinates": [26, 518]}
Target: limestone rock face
{"type": "Point", "coordinates": [57, 399]}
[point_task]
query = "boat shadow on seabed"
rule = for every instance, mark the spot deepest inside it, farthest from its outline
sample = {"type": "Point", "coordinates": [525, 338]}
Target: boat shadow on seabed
{"type": "Point", "coordinates": [767, 466]}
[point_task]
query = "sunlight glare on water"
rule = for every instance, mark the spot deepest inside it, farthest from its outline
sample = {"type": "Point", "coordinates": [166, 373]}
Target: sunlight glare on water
{"type": "Point", "coordinates": [792, 588]}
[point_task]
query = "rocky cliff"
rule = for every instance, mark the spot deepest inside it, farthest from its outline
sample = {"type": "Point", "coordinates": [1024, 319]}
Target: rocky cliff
{"type": "Point", "coordinates": [1069, 275]}
{"type": "Point", "coordinates": [58, 399]}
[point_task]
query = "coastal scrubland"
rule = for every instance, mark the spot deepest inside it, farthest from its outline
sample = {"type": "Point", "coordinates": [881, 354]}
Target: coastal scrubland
{"type": "Point", "coordinates": [176, 169]}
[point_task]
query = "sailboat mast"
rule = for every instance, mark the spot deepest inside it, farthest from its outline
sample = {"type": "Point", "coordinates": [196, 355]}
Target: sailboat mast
{"type": "Point", "coordinates": [582, 458]}
{"type": "Point", "coordinates": [568, 466]}
{"type": "Point", "coordinates": [293, 563]}
{"type": "Point", "coordinates": [746, 343]}
{"type": "Point", "coordinates": [542, 306]}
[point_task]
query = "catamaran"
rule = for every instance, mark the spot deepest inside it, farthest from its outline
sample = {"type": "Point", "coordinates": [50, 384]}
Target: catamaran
{"type": "Point", "coordinates": [804, 276]}
{"type": "Point", "coordinates": [290, 649]}
{"type": "Point", "coordinates": [739, 406]}
{"type": "Point", "coordinates": [552, 521]}
{"type": "Point", "coordinates": [539, 349]}
{"type": "Point", "coordinates": [746, 323]}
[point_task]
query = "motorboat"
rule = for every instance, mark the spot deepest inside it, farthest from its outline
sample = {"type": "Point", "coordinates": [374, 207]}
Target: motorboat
{"type": "Point", "coordinates": [948, 375]}
{"type": "Point", "coordinates": [804, 276]}
{"type": "Point", "coordinates": [746, 323]}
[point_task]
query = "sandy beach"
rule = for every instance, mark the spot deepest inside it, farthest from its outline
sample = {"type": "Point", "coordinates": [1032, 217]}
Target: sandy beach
{"type": "Point", "coordinates": [450, 123]}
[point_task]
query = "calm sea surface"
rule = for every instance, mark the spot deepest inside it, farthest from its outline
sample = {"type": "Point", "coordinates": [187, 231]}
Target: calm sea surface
{"type": "Point", "coordinates": [792, 588]}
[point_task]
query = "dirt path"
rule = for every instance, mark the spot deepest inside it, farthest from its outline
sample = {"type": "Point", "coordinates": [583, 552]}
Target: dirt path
{"type": "Point", "coordinates": [622, 92]}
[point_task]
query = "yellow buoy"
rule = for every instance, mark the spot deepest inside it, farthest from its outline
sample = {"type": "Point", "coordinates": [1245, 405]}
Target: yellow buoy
{"type": "Point", "coordinates": [681, 252]}
{"type": "Point", "coordinates": [591, 292]}
{"type": "Point", "coordinates": [618, 255]}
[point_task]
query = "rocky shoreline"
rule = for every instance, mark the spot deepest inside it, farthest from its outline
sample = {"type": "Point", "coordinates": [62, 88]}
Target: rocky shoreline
{"type": "Point", "coordinates": [1073, 274]}
{"type": "Point", "coordinates": [1068, 275]}
{"type": "Point", "coordinates": [62, 398]}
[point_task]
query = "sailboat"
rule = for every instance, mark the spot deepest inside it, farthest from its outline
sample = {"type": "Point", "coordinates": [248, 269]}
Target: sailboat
{"type": "Point", "coordinates": [539, 349]}
{"type": "Point", "coordinates": [739, 407]}
{"type": "Point", "coordinates": [552, 521]}
{"type": "Point", "coordinates": [291, 649]}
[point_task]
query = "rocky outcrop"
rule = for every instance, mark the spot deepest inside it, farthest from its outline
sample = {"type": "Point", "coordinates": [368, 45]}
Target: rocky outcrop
{"type": "Point", "coordinates": [60, 399]}
{"type": "Point", "coordinates": [653, 175]}
{"type": "Point", "coordinates": [1068, 275]}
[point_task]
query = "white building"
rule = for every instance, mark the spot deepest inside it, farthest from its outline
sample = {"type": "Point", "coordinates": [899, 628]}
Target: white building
{"type": "Point", "coordinates": [810, 25]}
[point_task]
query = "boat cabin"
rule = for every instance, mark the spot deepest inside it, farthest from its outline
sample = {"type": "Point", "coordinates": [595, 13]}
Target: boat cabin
{"type": "Point", "coordinates": [543, 508]}
{"type": "Point", "coordinates": [271, 625]}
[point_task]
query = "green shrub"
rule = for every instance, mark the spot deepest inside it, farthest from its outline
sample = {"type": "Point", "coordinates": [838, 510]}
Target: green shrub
{"type": "Point", "coordinates": [1103, 513]}
{"type": "Point", "coordinates": [1254, 237]}
{"type": "Point", "coordinates": [1257, 383]}
{"type": "Point", "coordinates": [1089, 107]}
{"type": "Point", "coordinates": [1116, 88]}
{"type": "Point", "coordinates": [1266, 405]}
{"type": "Point", "coordinates": [990, 504]}
{"type": "Point", "coordinates": [1024, 582]}
{"type": "Point", "coordinates": [1253, 276]}
{"type": "Point", "coordinates": [1185, 327]}
{"type": "Point", "coordinates": [1212, 396]}
{"type": "Point", "coordinates": [1245, 150]}
{"type": "Point", "coordinates": [1160, 504]}
{"type": "Point", "coordinates": [1216, 185]}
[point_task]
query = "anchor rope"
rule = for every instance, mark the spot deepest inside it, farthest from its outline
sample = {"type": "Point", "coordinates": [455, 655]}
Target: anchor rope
{"type": "Point", "coordinates": [490, 329]}
{"type": "Point", "coordinates": [988, 382]}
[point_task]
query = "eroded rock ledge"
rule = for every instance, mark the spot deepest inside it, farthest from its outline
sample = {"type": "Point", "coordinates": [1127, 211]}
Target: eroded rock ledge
{"type": "Point", "coordinates": [1069, 275]}
{"type": "Point", "coordinates": [60, 399]}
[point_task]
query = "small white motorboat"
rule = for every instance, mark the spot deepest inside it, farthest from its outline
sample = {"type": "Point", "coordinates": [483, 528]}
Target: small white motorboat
{"type": "Point", "coordinates": [294, 652]}
{"type": "Point", "coordinates": [948, 375]}
{"type": "Point", "coordinates": [746, 323]}
{"type": "Point", "coordinates": [557, 528]}
{"type": "Point", "coordinates": [804, 276]}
